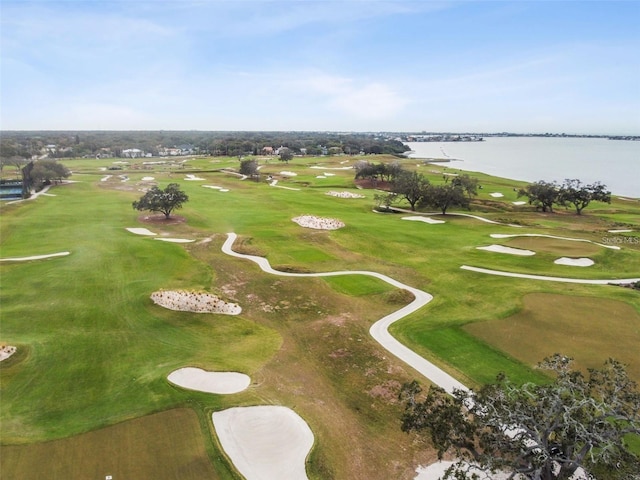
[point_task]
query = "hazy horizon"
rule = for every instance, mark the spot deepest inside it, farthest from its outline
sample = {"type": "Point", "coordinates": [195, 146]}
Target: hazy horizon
{"type": "Point", "coordinates": [356, 132]}
{"type": "Point", "coordinates": [350, 66]}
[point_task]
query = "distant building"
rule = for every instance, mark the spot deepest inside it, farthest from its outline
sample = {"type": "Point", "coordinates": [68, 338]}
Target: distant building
{"type": "Point", "coordinates": [12, 190]}
{"type": "Point", "coordinates": [132, 153]}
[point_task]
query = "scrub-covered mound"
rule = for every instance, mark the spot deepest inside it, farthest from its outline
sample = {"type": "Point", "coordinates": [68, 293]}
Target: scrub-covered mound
{"type": "Point", "coordinates": [344, 195]}
{"type": "Point", "coordinates": [197, 302]}
{"type": "Point", "coordinates": [6, 351]}
{"type": "Point", "coordinates": [309, 221]}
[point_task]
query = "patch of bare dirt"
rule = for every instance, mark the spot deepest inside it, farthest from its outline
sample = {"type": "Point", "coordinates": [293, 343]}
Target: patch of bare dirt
{"type": "Point", "coordinates": [339, 353]}
{"type": "Point", "coordinates": [387, 391]}
{"type": "Point", "coordinates": [160, 219]}
{"type": "Point", "coordinates": [337, 320]}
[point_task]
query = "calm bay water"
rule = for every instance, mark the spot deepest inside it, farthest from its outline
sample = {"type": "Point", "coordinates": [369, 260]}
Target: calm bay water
{"type": "Point", "coordinates": [616, 163]}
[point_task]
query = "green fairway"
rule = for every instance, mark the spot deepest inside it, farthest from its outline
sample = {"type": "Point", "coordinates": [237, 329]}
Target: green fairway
{"type": "Point", "coordinates": [164, 445]}
{"type": "Point", "coordinates": [589, 329]}
{"type": "Point", "coordinates": [94, 351]}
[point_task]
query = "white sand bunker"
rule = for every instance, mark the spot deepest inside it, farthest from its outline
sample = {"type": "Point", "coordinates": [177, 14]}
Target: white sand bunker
{"type": "Point", "coordinates": [191, 177]}
{"type": "Point", "coordinates": [215, 187]}
{"type": "Point", "coordinates": [509, 250]}
{"type": "Point", "coordinates": [265, 442]}
{"type": "Point", "coordinates": [344, 195]}
{"type": "Point", "coordinates": [503, 235]}
{"type": "Point", "coordinates": [574, 262]}
{"type": "Point", "coordinates": [175, 240]}
{"type": "Point", "coordinates": [496, 195]}
{"type": "Point", "coordinates": [310, 221]}
{"type": "Point", "coordinates": [317, 167]}
{"type": "Point", "coordinates": [200, 380]}
{"type": "Point", "coordinates": [197, 302]}
{"type": "Point", "coordinates": [147, 179]}
{"type": "Point", "coordinates": [289, 174]}
{"type": "Point", "coordinates": [519, 203]}
{"type": "Point", "coordinates": [34, 257]}
{"type": "Point", "coordinates": [6, 351]}
{"type": "Point", "coordinates": [141, 231]}
{"type": "Point", "coordinates": [624, 230]}
{"type": "Point", "coordinates": [428, 220]}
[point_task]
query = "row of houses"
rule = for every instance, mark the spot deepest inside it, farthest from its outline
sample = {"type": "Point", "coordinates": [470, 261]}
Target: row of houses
{"type": "Point", "coordinates": [53, 150]}
{"type": "Point", "coordinates": [303, 151]}
{"type": "Point", "coordinates": [161, 151]}
{"type": "Point", "coordinates": [186, 149]}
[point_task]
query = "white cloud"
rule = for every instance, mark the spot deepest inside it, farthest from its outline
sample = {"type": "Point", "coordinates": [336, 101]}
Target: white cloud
{"type": "Point", "coordinates": [360, 99]}
{"type": "Point", "coordinates": [373, 100]}
{"type": "Point", "coordinates": [103, 115]}
{"type": "Point", "coordinates": [307, 64]}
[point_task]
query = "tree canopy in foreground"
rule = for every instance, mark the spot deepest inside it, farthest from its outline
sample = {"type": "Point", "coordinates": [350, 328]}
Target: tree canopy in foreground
{"type": "Point", "coordinates": [574, 424]}
{"type": "Point", "coordinates": [165, 201]}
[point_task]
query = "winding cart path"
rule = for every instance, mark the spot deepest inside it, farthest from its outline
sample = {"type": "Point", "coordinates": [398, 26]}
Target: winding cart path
{"type": "Point", "coordinates": [379, 330]}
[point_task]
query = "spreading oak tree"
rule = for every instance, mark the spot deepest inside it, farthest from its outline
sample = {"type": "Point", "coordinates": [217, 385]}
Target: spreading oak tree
{"type": "Point", "coordinates": [574, 192]}
{"type": "Point", "coordinates": [412, 186]}
{"type": "Point", "coordinates": [541, 194]}
{"type": "Point", "coordinates": [444, 196]}
{"type": "Point", "coordinates": [574, 425]}
{"type": "Point", "coordinates": [285, 154]}
{"type": "Point", "coordinates": [164, 201]}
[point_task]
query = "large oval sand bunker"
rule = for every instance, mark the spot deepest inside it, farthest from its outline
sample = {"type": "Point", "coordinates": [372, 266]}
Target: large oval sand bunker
{"type": "Point", "coordinates": [318, 223]}
{"type": "Point", "coordinates": [265, 442]}
{"type": "Point", "coordinates": [197, 302]}
{"type": "Point", "coordinates": [193, 378]}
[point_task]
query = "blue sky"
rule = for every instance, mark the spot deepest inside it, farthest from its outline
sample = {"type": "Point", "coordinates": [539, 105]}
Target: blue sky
{"type": "Point", "coordinates": [351, 65]}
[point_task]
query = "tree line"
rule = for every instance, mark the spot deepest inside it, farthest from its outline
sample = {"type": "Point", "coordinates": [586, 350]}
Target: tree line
{"type": "Point", "coordinates": [544, 195]}
{"type": "Point", "coordinates": [458, 190]}
{"type": "Point", "coordinates": [416, 189]}
{"type": "Point", "coordinates": [91, 143]}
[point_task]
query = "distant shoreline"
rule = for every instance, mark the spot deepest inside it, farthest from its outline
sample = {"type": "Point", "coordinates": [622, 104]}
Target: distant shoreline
{"type": "Point", "coordinates": [530, 159]}
{"type": "Point", "coordinates": [432, 159]}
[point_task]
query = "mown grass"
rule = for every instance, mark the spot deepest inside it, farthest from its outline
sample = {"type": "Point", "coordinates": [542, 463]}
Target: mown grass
{"type": "Point", "coordinates": [589, 329]}
{"type": "Point", "coordinates": [358, 285]}
{"type": "Point", "coordinates": [94, 351]}
{"type": "Point", "coordinates": [478, 360]}
{"type": "Point", "coordinates": [169, 444]}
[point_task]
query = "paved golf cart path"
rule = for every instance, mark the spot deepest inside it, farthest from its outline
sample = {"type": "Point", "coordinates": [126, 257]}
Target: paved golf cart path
{"type": "Point", "coordinates": [587, 281]}
{"type": "Point", "coordinates": [379, 330]}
